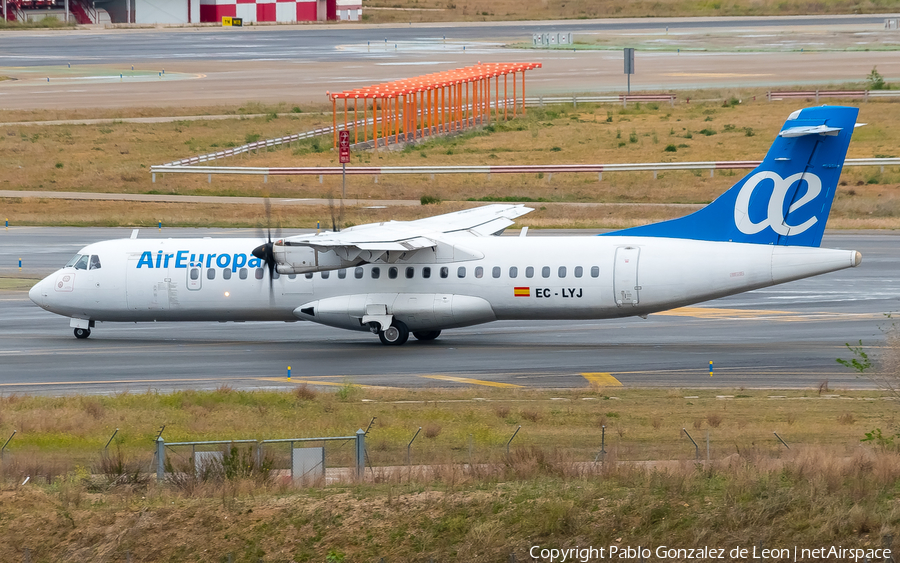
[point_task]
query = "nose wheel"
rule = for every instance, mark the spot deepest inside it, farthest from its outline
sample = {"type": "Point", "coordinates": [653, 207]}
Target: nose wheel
{"type": "Point", "coordinates": [82, 333]}
{"type": "Point", "coordinates": [395, 335]}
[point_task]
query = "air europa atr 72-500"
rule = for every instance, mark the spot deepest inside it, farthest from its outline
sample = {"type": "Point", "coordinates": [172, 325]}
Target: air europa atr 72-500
{"type": "Point", "coordinates": [448, 271]}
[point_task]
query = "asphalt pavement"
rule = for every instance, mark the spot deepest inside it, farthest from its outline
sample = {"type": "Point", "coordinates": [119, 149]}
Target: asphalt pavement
{"type": "Point", "coordinates": [785, 336]}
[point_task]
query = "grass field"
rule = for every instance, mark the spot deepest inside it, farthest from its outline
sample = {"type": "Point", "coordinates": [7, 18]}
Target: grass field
{"type": "Point", "coordinates": [828, 488]}
{"type": "Point", "coordinates": [116, 158]}
{"type": "Point", "coordinates": [480, 10]}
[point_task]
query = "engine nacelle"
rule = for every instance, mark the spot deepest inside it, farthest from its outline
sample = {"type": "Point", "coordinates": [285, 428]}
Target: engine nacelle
{"type": "Point", "coordinates": [419, 311]}
{"type": "Point", "coordinates": [298, 259]}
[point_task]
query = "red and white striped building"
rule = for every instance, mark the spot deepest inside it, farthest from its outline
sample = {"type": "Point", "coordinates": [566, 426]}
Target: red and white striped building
{"type": "Point", "coordinates": [283, 11]}
{"type": "Point", "coordinates": [185, 11]}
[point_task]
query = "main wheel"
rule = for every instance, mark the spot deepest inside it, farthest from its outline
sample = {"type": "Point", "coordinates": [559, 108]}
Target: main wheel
{"type": "Point", "coordinates": [427, 335]}
{"type": "Point", "coordinates": [82, 333]}
{"type": "Point", "coordinates": [395, 335]}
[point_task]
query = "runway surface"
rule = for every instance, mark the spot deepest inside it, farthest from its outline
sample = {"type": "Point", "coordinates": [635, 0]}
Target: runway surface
{"type": "Point", "coordinates": [786, 336]}
{"type": "Point", "coordinates": [298, 64]}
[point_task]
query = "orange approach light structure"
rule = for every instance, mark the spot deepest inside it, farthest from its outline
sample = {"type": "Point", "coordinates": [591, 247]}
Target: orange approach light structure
{"type": "Point", "coordinates": [433, 104]}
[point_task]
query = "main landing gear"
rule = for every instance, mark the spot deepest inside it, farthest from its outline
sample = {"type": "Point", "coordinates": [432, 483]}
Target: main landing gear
{"type": "Point", "coordinates": [395, 335]}
{"type": "Point", "coordinates": [82, 333]}
{"type": "Point", "coordinates": [398, 333]}
{"type": "Point", "coordinates": [427, 335]}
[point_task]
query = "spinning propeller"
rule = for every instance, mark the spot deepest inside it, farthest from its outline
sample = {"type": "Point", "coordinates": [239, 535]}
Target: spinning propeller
{"type": "Point", "coordinates": [265, 252]}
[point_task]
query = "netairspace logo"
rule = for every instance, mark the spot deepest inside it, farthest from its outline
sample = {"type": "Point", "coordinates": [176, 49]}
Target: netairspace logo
{"type": "Point", "coordinates": [666, 553]}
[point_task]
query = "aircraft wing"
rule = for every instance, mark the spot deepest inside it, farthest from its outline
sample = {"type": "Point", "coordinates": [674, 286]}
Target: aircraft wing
{"type": "Point", "coordinates": [413, 235]}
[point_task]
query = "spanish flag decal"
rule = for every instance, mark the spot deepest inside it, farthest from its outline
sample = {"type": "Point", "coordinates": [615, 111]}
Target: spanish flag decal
{"type": "Point", "coordinates": [522, 291]}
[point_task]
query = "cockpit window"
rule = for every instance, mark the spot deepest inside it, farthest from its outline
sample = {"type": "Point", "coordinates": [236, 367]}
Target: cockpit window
{"type": "Point", "coordinates": [82, 263]}
{"type": "Point", "coordinates": [95, 262]}
{"type": "Point", "coordinates": [71, 263]}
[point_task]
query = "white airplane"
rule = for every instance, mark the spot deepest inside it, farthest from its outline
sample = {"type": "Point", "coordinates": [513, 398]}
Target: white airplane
{"type": "Point", "coordinates": [448, 271]}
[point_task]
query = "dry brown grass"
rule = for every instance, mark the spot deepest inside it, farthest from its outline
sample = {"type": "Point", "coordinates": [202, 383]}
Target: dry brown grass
{"type": "Point", "coordinates": [479, 10]}
{"type": "Point", "coordinates": [808, 496]}
{"type": "Point", "coordinates": [115, 158]}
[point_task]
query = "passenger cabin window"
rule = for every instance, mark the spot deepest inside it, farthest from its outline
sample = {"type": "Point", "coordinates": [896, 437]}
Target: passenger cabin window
{"type": "Point", "coordinates": [308, 275]}
{"type": "Point", "coordinates": [562, 271]}
{"type": "Point", "coordinates": [426, 272]}
{"type": "Point", "coordinates": [211, 274]}
{"type": "Point", "coordinates": [545, 272]}
{"type": "Point", "coordinates": [275, 274]}
{"type": "Point", "coordinates": [410, 273]}
{"type": "Point", "coordinates": [358, 272]}
{"type": "Point", "coordinates": [461, 272]}
{"type": "Point", "coordinates": [445, 271]}
{"type": "Point", "coordinates": [529, 272]}
{"type": "Point", "coordinates": [243, 273]}
{"type": "Point", "coordinates": [325, 275]}
{"type": "Point", "coordinates": [82, 263]}
{"type": "Point", "coordinates": [226, 273]}
{"type": "Point", "coordinates": [195, 274]}
{"type": "Point", "coordinates": [595, 271]}
{"type": "Point", "coordinates": [578, 271]}
{"type": "Point", "coordinates": [342, 273]}
{"type": "Point", "coordinates": [479, 272]}
{"type": "Point", "coordinates": [258, 274]}
{"type": "Point", "coordinates": [513, 272]}
{"type": "Point", "coordinates": [376, 273]}
{"type": "Point", "coordinates": [292, 276]}
{"type": "Point", "coordinates": [392, 272]}
{"type": "Point", "coordinates": [95, 262]}
{"type": "Point", "coordinates": [495, 271]}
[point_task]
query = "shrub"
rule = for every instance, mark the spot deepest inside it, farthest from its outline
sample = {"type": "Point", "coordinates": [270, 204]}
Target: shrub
{"type": "Point", "coordinates": [846, 418]}
{"type": "Point", "coordinates": [429, 199]}
{"type": "Point", "coordinates": [708, 132]}
{"type": "Point", "coordinates": [432, 430]}
{"type": "Point", "coordinates": [305, 393]}
{"type": "Point", "coordinates": [714, 419]}
{"type": "Point", "coordinates": [875, 81]}
{"type": "Point", "coordinates": [531, 415]}
{"type": "Point", "coordinates": [671, 148]}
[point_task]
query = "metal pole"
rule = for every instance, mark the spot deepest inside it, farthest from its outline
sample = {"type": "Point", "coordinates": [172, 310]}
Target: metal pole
{"type": "Point", "coordinates": [3, 449]}
{"type": "Point", "coordinates": [160, 459]}
{"type": "Point", "coordinates": [408, 446]}
{"type": "Point", "coordinates": [780, 440]}
{"type": "Point", "coordinates": [111, 439]}
{"type": "Point", "coordinates": [696, 447]}
{"type": "Point", "coordinates": [360, 453]}
{"type": "Point", "coordinates": [344, 179]}
{"type": "Point", "coordinates": [511, 438]}
{"type": "Point", "coordinates": [601, 455]}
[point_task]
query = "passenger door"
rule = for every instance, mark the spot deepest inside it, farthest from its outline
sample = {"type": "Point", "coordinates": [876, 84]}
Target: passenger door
{"type": "Point", "coordinates": [625, 276]}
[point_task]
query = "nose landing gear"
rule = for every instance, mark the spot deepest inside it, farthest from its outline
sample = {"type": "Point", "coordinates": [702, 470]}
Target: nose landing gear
{"type": "Point", "coordinates": [82, 333]}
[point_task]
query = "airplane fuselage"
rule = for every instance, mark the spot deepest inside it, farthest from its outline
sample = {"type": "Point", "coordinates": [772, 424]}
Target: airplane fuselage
{"type": "Point", "coordinates": [510, 278]}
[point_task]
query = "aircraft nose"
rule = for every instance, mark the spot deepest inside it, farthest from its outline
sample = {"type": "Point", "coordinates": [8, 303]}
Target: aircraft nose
{"type": "Point", "coordinates": [36, 293]}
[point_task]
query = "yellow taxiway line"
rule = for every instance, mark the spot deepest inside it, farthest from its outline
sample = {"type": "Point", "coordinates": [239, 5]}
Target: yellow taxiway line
{"type": "Point", "coordinates": [760, 314]}
{"type": "Point", "coordinates": [471, 381]}
{"type": "Point", "coordinates": [602, 379]}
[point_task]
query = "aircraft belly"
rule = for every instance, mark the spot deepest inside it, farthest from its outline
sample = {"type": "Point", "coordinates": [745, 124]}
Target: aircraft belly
{"type": "Point", "coordinates": [419, 311]}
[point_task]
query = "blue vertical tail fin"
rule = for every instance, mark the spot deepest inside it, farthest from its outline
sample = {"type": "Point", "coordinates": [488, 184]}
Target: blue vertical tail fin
{"type": "Point", "coordinates": [786, 199]}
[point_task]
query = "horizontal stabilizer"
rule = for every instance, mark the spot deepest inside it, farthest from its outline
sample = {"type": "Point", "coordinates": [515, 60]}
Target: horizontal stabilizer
{"type": "Point", "coordinates": [810, 130]}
